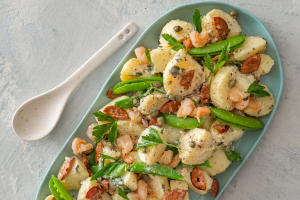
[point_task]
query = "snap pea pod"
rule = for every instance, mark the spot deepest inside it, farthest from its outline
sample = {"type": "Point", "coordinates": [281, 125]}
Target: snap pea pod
{"type": "Point", "coordinates": [94, 168]}
{"type": "Point", "coordinates": [244, 122]}
{"type": "Point", "coordinates": [116, 171]}
{"type": "Point", "coordinates": [156, 169]}
{"type": "Point", "coordinates": [179, 122]}
{"type": "Point", "coordinates": [58, 190]}
{"type": "Point", "coordinates": [216, 48]}
{"type": "Point", "coordinates": [135, 85]}
{"type": "Point", "coordinates": [92, 160]}
{"type": "Point", "coordinates": [234, 125]}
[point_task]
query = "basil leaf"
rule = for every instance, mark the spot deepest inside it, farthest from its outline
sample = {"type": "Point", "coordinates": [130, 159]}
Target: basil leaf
{"type": "Point", "coordinates": [197, 20]}
{"type": "Point", "coordinates": [233, 156]}
{"type": "Point", "coordinates": [257, 90]}
{"type": "Point", "coordinates": [173, 42]}
{"type": "Point", "coordinates": [100, 131]}
{"type": "Point", "coordinates": [122, 194]}
{"type": "Point", "coordinates": [103, 117]}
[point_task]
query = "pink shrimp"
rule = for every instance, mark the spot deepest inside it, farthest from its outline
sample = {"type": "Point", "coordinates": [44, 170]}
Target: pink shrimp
{"type": "Point", "coordinates": [199, 39]}
{"type": "Point", "coordinates": [166, 158]}
{"type": "Point", "coordinates": [133, 196]}
{"type": "Point", "coordinates": [239, 98]}
{"type": "Point", "coordinates": [140, 54]}
{"type": "Point", "coordinates": [142, 189]}
{"type": "Point", "coordinates": [125, 143]}
{"type": "Point", "coordinates": [127, 158]}
{"type": "Point", "coordinates": [197, 112]}
{"type": "Point", "coordinates": [253, 104]}
{"type": "Point", "coordinates": [174, 162]}
{"type": "Point", "coordinates": [186, 108]}
{"type": "Point", "coordinates": [135, 115]}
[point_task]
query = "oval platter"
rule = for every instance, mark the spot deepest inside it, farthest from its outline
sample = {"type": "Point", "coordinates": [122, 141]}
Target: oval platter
{"type": "Point", "coordinates": [250, 25]}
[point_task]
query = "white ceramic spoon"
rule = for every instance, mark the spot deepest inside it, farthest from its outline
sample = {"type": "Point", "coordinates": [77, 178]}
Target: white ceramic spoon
{"type": "Point", "coordinates": [37, 117]}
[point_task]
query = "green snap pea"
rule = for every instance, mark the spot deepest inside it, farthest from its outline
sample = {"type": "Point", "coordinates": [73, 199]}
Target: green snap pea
{"type": "Point", "coordinates": [234, 125]}
{"type": "Point", "coordinates": [58, 190]}
{"type": "Point", "coordinates": [242, 121]}
{"type": "Point", "coordinates": [156, 169]}
{"type": "Point", "coordinates": [179, 122]}
{"type": "Point", "coordinates": [216, 48]}
{"type": "Point", "coordinates": [130, 83]}
{"type": "Point", "coordinates": [134, 87]}
{"type": "Point", "coordinates": [92, 160]}
{"type": "Point", "coordinates": [103, 171]}
{"type": "Point", "coordinates": [116, 171]}
{"type": "Point", "coordinates": [94, 168]}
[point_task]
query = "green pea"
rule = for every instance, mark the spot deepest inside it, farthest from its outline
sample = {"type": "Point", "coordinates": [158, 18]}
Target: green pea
{"type": "Point", "coordinates": [159, 79]}
{"type": "Point", "coordinates": [58, 190]}
{"type": "Point", "coordinates": [216, 48]}
{"type": "Point", "coordinates": [245, 122]}
{"type": "Point", "coordinates": [156, 169]}
{"type": "Point", "coordinates": [179, 122]}
{"type": "Point", "coordinates": [134, 87]}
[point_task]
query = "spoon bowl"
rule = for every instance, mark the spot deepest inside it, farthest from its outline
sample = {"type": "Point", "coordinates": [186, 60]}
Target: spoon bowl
{"type": "Point", "coordinates": [38, 116]}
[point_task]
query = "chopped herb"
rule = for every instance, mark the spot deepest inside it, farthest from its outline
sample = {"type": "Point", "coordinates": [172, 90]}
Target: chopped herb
{"type": "Point", "coordinates": [100, 131]}
{"type": "Point", "coordinates": [257, 90]}
{"type": "Point", "coordinates": [173, 42]}
{"type": "Point", "coordinates": [233, 156]}
{"type": "Point", "coordinates": [205, 164]}
{"type": "Point", "coordinates": [152, 139]}
{"type": "Point", "coordinates": [147, 52]}
{"type": "Point", "coordinates": [122, 194]}
{"type": "Point", "coordinates": [197, 20]}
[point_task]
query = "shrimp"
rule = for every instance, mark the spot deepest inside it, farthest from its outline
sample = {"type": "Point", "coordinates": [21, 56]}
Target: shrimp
{"type": "Point", "coordinates": [142, 189]}
{"type": "Point", "coordinates": [89, 131]}
{"type": "Point", "coordinates": [133, 196]}
{"type": "Point", "coordinates": [80, 146]}
{"type": "Point", "coordinates": [135, 115]}
{"type": "Point", "coordinates": [127, 158]}
{"type": "Point", "coordinates": [197, 112]}
{"type": "Point", "coordinates": [174, 162]}
{"type": "Point", "coordinates": [188, 44]}
{"type": "Point", "coordinates": [186, 108]}
{"type": "Point", "coordinates": [166, 158]}
{"type": "Point", "coordinates": [141, 56]}
{"type": "Point", "coordinates": [253, 104]}
{"type": "Point", "coordinates": [199, 39]}
{"type": "Point", "coordinates": [240, 99]}
{"type": "Point", "coordinates": [125, 143]}
{"type": "Point", "coordinates": [150, 191]}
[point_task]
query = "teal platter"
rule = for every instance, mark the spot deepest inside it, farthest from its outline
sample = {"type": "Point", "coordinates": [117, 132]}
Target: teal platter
{"type": "Point", "coordinates": [250, 25]}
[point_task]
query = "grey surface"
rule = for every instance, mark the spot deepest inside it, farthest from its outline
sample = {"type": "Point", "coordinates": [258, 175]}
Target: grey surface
{"type": "Point", "coordinates": [44, 41]}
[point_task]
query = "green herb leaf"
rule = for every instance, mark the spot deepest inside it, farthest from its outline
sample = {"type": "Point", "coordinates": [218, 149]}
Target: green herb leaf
{"type": "Point", "coordinates": [103, 171]}
{"type": "Point", "coordinates": [155, 169]}
{"type": "Point", "coordinates": [233, 156]}
{"type": "Point", "coordinates": [197, 20]}
{"type": "Point", "coordinates": [152, 139]}
{"type": "Point", "coordinates": [122, 194]}
{"type": "Point", "coordinates": [147, 52]}
{"type": "Point", "coordinates": [257, 90]}
{"type": "Point", "coordinates": [224, 57]}
{"type": "Point", "coordinates": [173, 42]}
{"type": "Point", "coordinates": [208, 63]}
{"type": "Point", "coordinates": [100, 131]}
{"type": "Point", "coordinates": [115, 171]}
{"type": "Point", "coordinates": [202, 165]}
{"type": "Point", "coordinates": [92, 160]}
{"type": "Point", "coordinates": [174, 149]}
{"type": "Point", "coordinates": [107, 157]}
{"type": "Point", "coordinates": [103, 117]}
{"type": "Point", "coordinates": [112, 135]}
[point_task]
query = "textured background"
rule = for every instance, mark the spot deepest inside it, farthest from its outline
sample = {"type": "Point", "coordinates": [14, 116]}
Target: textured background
{"type": "Point", "coordinates": [43, 41]}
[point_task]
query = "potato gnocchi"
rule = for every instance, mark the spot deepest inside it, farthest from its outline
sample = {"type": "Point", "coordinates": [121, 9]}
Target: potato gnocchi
{"type": "Point", "coordinates": [166, 137]}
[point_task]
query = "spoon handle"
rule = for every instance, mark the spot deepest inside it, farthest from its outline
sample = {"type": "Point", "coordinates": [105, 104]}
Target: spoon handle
{"type": "Point", "coordinates": [73, 81]}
